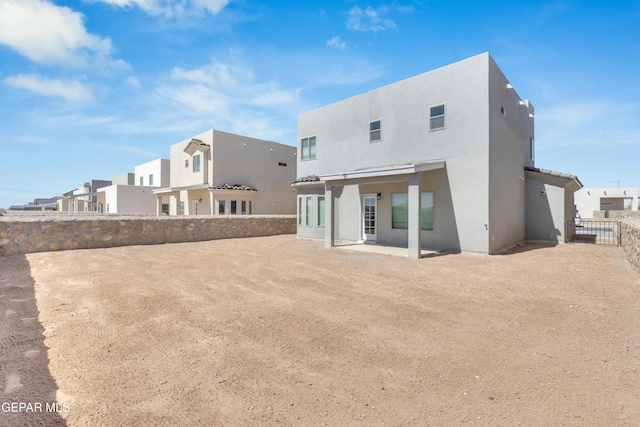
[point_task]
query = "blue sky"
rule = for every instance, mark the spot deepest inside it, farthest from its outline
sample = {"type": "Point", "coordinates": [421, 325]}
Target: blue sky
{"type": "Point", "coordinates": [91, 88]}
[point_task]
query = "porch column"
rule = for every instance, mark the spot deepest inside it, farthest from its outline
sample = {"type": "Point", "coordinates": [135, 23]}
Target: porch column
{"type": "Point", "coordinates": [212, 203]}
{"type": "Point", "coordinates": [178, 202]}
{"type": "Point", "coordinates": [159, 204]}
{"type": "Point", "coordinates": [329, 233]}
{"type": "Point", "coordinates": [415, 249]}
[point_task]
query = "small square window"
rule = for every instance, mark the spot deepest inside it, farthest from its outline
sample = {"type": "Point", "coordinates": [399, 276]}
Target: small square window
{"type": "Point", "coordinates": [186, 163]}
{"type": "Point", "coordinates": [437, 117]}
{"type": "Point", "coordinates": [375, 131]}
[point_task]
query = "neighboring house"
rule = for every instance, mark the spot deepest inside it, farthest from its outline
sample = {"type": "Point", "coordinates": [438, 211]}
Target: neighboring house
{"type": "Point", "coordinates": [590, 200]}
{"type": "Point", "coordinates": [83, 199]}
{"type": "Point", "coordinates": [39, 204]}
{"type": "Point", "coordinates": [443, 160]}
{"type": "Point", "coordinates": [219, 173]}
{"type": "Point", "coordinates": [132, 193]}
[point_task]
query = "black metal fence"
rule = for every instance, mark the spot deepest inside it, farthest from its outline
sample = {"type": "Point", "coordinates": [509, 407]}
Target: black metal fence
{"type": "Point", "coordinates": [594, 232]}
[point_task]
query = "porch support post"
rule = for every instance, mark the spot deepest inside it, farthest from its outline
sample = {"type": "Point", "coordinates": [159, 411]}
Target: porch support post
{"type": "Point", "coordinates": [158, 204]}
{"type": "Point", "coordinates": [329, 233]}
{"type": "Point", "coordinates": [178, 202]}
{"type": "Point", "coordinates": [415, 249]}
{"type": "Point", "coordinates": [212, 203]}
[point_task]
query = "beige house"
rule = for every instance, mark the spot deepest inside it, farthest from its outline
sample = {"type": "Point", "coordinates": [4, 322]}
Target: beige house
{"type": "Point", "coordinates": [219, 173]}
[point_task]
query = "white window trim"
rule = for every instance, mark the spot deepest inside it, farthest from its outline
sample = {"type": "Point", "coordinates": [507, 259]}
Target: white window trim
{"type": "Point", "coordinates": [443, 115]}
{"type": "Point", "coordinates": [377, 130]}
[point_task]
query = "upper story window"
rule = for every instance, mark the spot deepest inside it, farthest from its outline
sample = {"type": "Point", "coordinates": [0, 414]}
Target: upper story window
{"type": "Point", "coordinates": [151, 179]}
{"type": "Point", "coordinates": [308, 146]}
{"type": "Point", "coordinates": [196, 163]}
{"type": "Point", "coordinates": [531, 148]}
{"type": "Point", "coordinates": [142, 180]}
{"type": "Point", "coordinates": [375, 131]}
{"type": "Point", "coordinates": [186, 163]}
{"type": "Point", "coordinates": [437, 117]}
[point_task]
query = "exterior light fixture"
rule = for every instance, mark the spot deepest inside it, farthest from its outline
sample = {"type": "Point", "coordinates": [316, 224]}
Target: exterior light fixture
{"type": "Point", "coordinates": [379, 196]}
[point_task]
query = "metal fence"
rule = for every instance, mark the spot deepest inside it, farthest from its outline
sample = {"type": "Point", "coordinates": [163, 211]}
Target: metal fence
{"type": "Point", "coordinates": [594, 232]}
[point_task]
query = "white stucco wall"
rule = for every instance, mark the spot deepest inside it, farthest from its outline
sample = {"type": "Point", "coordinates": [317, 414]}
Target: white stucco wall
{"type": "Point", "coordinates": [159, 168]}
{"type": "Point", "coordinates": [588, 200]}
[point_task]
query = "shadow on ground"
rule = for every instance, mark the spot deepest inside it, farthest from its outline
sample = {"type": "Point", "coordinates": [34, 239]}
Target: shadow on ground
{"type": "Point", "coordinates": [27, 389]}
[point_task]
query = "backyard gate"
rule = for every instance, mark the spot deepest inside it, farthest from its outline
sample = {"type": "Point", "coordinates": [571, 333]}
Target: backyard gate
{"type": "Point", "coordinates": [595, 232]}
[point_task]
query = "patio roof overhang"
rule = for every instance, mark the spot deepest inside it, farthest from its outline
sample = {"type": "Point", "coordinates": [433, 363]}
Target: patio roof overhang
{"type": "Point", "coordinates": [559, 179]}
{"type": "Point", "coordinates": [175, 189]}
{"type": "Point", "coordinates": [384, 173]}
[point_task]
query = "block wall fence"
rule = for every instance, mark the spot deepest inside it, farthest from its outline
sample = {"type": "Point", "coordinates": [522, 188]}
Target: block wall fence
{"type": "Point", "coordinates": [630, 241]}
{"type": "Point", "coordinates": [27, 234]}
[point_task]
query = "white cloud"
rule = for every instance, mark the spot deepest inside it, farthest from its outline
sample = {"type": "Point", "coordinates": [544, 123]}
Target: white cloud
{"type": "Point", "coordinates": [337, 43]}
{"type": "Point", "coordinates": [369, 19]}
{"type": "Point", "coordinates": [172, 8]}
{"type": "Point", "coordinates": [68, 89]}
{"type": "Point", "coordinates": [50, 34]}
{"type": "Point", "coordinates": [587, 122]}
{"type": "Point", "coordinates": [229, 97]}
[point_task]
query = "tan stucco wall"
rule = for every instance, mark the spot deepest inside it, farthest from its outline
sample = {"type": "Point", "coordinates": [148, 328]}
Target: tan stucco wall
{"type": "Point", "coordinates": [42, 234]}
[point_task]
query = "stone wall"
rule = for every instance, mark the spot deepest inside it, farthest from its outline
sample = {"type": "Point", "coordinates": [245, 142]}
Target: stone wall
{"type": "Point", "coordinates": [630, 230]}
{"type": "Point", "coordinates": [615, 214]}
{"type": "Point", "coordinates": [26, 234]}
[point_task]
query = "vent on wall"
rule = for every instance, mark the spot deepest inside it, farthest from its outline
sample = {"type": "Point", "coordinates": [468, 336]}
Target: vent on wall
{"type": "Point", "coordinates": [282, 164]}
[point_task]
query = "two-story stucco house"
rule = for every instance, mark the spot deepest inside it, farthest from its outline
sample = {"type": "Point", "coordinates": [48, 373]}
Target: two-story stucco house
{"type": "Point", "coordinates": [442, 160]}
{"type": "Point", "coordinates": [220, 173]}
{"type": "Point", "coordinates": [132, 193]}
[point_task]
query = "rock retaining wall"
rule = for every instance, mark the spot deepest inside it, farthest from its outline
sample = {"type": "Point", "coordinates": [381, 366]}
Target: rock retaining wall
{"type": "Point", "coordinates": [630, 230]}
{"type": "Point", "coordinates": [45, 233]}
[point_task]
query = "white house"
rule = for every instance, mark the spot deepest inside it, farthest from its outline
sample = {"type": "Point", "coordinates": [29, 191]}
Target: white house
{"type": "Point", "coordinates": [132, 193]}
{"type": "Point", "coordinates": [83, 199]}
{"type": "Point", "coordinates": [442, 160]}
{"type": "Point", "coordinates": [219, 173]}
{"type": "Point", "coordinates": [589, 200]}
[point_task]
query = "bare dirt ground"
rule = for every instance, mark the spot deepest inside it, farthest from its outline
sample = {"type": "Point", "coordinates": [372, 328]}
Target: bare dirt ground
{"type": "Point", "coordinates": [279, 330]}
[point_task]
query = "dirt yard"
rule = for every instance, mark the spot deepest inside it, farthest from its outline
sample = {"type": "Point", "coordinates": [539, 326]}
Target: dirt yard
{"type": "Point", "coordinates": [279, 330]}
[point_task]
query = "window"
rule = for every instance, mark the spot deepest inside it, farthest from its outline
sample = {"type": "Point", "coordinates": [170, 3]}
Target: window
{"type": "Point", "coordinates": [151, 179]}
{"type": "Point", "coordinates": [142, 180]}
{"type": "Point", "coordinates": [308, 148]}
{"type": "Point", "coordinates": [165, 208]}
{"type": "Point", "coordinates": [220, 207]}
{"type": "Point", "coordinates": [234, 206]}
{"type": "Point", "coordinates": [400, 211]}
{"type": "Point", "coordinates": [437, 117]}
{"type": "Point", "coordinates": [196, 163]}
{"type": "Point", "coordinates": [243, 209]}
{"type": "Point", "coordinates": [107, 207]}
{"type": "Point", "coordinates": [531, 148]}
{"type": "Point", "coordinates": [299, 210]}
{"type": "Point", "coordinates": [186, 163]}
{"type": "Point", "coordinates": [374, 131]}
{"type": "Point", "coordinates": [181, 211]}
{"type": "Point", "coordinates": [321, 211]}
{"type": "Point", "coordinates": [503, 111]}
{"type": "Point", "coordinates": [426, 211]}
{"type": "Point", "coordinates": [309, 212]}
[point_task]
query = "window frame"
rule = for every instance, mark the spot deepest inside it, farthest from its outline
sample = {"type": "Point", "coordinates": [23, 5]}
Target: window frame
{"type": "Point", "coordinates": [196, 163]}
{"type": "Point", "coordinates": [320, 221]}
{"type": "Point", "coordinates": [221, 207]}
{"type": "Point", "coordinates": [150, 179]}
{"type": "Point", "coordinates": [308, 155]}
{"type": "Point", "coordinates": [308, 218]}
{"type": "Point", "coordinates": [433, 117]}
{"type": "Point", "coordinates": [422, 211]}
{"type": "Point", "coordinates": [374, 130]}
{"type": "Point", "coordinates": [141, 181]}
{"type": "Point", "coordinates": [234, 207]}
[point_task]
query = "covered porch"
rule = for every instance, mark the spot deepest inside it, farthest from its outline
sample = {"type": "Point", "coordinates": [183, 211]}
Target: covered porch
{"type": "Point", "coordinates": [369, 178]}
